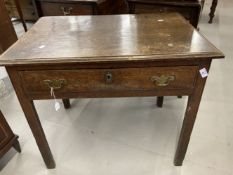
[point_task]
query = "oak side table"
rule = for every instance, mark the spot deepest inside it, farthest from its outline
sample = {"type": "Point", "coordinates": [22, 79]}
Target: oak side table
{"type": "Point", "coordinates": [110, 56]}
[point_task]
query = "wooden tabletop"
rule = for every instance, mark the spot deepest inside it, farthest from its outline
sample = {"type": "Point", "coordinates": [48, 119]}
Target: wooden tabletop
{"type": "Point", "coordinates": [109, 38]}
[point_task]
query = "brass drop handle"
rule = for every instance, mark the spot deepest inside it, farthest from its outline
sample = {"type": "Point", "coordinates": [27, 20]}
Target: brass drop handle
{"type": "Point", "coordinates": [55, 84]}
{"type": "Point", "coordinates": [66, 11]}
{"type": "Point", "coordinates": [108, 77]}
{"type": "Point", "coordinates": [162, 80]}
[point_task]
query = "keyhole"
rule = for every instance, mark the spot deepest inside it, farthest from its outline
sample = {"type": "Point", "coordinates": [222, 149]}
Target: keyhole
{"type": "Point", "coordinates": [108, 77]}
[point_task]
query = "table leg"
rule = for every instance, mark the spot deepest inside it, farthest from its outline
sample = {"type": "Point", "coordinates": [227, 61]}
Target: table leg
{"type": "Point", "coordinates": [16, 145]}
{"type": "Point", "coordinates": [160, 101]}
{"type": "Point", "coordinates": [38, 132]}
{"type": "Point", "coordinates": [189, 119]}
{"type": "Point", "coordinates": [17, 4]}
{"type": "Point", "coordinates": [32, 118]}
{"type": "Point", "coordinates": [66, 103]}
{"type": "Point", "coordinates": [202, 4]}
{"type": "Point", "coordinates": [212, 10]}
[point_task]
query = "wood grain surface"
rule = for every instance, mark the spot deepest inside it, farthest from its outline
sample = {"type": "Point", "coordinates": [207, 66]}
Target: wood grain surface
{"type": "Point", "coordinates": [109, 38]}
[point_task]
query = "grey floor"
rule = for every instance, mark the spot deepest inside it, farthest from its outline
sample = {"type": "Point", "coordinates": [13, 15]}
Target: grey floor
{"type": "Point", "coordinates": [131, 135]}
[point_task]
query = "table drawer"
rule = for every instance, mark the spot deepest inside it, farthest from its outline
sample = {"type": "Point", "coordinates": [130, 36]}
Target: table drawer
{"type": "Point", "coordinates": [59, 9]}
{"type": "Point", "coordinates": [89, 80]}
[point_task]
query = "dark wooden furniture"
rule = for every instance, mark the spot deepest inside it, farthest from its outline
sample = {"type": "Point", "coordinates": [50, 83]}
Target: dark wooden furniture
{"type": "Point", "coordinates": [80, 7]}
{"type": "Point", "coordinates": [27, 8]}
{"type": "Point", "coordinates": [212, 10]}
{"type": "Point", "coordinates": [19, 9]}
{"type": "Point", "coordinates": [7, 138]}
{"type": "Point", "coordinates": [7, 32]}
{"type": "Point", "coordinates": [109, 56]}
{"type": "Point", "coordinates": [190, 9]}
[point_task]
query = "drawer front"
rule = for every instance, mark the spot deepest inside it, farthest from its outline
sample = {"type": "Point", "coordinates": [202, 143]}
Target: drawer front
{"type": "Point", "coordinates": [148, 8]}
{"type": "Point", "coordinates": [59, 9]}
{"type": "Point", "coordinates": [110, 7]}
{"type": "Point", "coordinates": [94, 80]}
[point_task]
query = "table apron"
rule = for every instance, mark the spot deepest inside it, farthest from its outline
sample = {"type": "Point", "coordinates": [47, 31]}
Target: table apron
{"type": "Point", "coordinates": [112, 94]}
